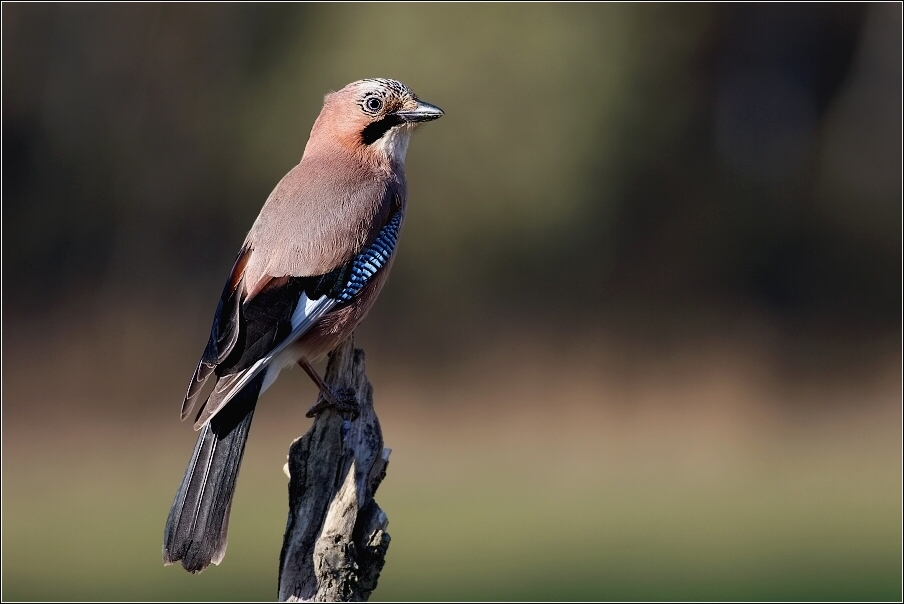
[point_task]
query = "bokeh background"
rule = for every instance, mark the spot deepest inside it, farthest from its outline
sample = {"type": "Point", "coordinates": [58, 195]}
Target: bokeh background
{"type": "Point", "coordinates": [642, 339]}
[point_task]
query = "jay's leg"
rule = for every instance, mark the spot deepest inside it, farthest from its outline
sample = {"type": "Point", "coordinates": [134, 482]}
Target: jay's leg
{"type": "Point", "coordinates": [342, 400]}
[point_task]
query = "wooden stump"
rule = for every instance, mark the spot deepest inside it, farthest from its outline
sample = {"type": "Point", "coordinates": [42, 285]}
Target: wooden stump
{"type": "Point", "coordinates": [336, 541]}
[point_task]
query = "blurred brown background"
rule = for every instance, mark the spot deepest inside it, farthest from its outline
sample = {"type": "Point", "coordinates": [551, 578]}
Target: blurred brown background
{"type": "Point", "coordinates": [642, 339]}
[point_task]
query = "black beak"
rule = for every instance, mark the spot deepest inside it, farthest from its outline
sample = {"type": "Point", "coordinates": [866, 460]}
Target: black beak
{"type": "Point", "coordinates": [424, 112]}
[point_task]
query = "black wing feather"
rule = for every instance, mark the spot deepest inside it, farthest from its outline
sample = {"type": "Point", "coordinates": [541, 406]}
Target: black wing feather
{"type": "Point", "coordinates": [223, 334]}
{"type": "Point", "coordinates": [265, 320]}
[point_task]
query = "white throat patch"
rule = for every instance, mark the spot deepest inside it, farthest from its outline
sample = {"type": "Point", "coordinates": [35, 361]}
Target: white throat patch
{"type": "Point", "coordinates": [394, 144]}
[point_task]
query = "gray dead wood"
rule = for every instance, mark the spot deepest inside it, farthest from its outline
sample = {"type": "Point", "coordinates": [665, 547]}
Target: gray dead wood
{"type": "Point", "coordinates": [336, 540]}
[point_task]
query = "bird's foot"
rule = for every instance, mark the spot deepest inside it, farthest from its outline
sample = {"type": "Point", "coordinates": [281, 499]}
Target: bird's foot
{"type": "Point", "coordinates": [343, 400]}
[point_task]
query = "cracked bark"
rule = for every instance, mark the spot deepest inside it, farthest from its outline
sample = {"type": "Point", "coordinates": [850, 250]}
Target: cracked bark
{"type": "Point", "coordinates": [336, 540]}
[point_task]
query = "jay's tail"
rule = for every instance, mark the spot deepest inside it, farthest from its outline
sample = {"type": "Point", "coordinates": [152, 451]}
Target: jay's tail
{"type": "Point", "coordinates": [197, 523]}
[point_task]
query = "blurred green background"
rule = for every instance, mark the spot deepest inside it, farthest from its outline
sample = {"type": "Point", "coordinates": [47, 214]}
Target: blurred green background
{"type": "Point", "coordinates": [642, 339]}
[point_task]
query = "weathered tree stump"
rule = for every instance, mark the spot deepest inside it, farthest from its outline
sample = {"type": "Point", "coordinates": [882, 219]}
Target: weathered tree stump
{"type": "Point", "coordinates": [336, 541]}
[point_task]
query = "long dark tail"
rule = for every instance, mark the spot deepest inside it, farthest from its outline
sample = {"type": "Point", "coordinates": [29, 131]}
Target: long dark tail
{"type": "Point", "coordinates": [197, 523]}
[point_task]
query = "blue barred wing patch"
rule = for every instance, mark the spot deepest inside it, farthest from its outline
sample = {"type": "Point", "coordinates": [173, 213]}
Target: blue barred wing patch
{"type": "Point", "coordinates": [366, 264]}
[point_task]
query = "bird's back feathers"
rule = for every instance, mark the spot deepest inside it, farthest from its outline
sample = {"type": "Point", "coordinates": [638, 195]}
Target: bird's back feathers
{"type": "Point", "coordinates": [322, 213]}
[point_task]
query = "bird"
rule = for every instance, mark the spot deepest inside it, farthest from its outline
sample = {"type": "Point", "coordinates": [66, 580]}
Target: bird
{"type": "Point", "coordinates": [309, 270]}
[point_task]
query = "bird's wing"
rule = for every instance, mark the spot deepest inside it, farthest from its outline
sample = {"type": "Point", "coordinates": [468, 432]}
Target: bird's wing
{"type": "Point", "coordinates": [224, 333]}
{"type": "Point", "coordinates": [247, 334]}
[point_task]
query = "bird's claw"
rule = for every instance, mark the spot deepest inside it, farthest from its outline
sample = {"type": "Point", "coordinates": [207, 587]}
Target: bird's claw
{"type": "Point", "coordinates": [344, 400]}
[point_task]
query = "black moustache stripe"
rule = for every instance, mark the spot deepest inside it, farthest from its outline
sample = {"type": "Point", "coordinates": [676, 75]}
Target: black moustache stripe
{"type": "Point", "coordinates": [374, 132]}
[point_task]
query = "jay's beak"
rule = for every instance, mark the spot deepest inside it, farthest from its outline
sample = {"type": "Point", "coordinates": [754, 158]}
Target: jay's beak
{"type": "Point", "coordinates": [424, 112]}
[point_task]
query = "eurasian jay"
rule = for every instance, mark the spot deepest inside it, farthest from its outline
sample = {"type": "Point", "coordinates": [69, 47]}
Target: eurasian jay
{"type": "Point", "coordinates": [309, 270]}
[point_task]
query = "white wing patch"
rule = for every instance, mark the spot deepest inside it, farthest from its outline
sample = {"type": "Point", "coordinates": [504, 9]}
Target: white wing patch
{"type": "Point", "coordinates": [304, 309]}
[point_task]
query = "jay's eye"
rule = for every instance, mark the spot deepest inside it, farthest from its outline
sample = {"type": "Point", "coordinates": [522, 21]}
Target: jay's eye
{"type": "Point", "coordinates": [373, 104]}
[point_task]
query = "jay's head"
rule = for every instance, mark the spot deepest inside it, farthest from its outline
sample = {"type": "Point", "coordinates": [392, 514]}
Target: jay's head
{"type": "Point", "coordinates": [373, 117]}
